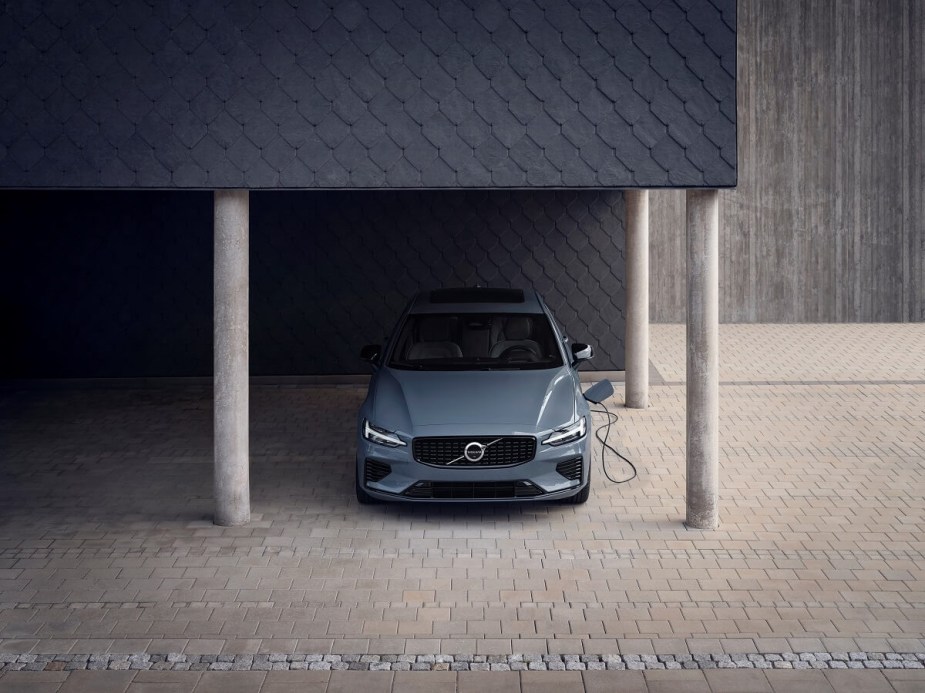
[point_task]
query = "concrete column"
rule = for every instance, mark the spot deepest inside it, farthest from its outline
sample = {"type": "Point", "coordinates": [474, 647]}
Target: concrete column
{"type": "Point", "coordinates": [702, 359]}
{"type": "Point", "coordinates": [231, 286]}
{"type": "Point", "coordinates": [637, 298]}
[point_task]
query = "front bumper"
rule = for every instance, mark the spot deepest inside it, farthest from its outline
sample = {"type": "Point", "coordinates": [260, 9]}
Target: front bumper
{"type": "Point", "coordinates": [538, 479]}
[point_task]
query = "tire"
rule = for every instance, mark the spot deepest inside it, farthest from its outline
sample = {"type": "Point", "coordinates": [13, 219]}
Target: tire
{"type": "Point", "coordinates": [582, 496]}
{"type": "Point", "coordinates": [364, 498]}
{"type": "Point", "coordinates": [579, 498]}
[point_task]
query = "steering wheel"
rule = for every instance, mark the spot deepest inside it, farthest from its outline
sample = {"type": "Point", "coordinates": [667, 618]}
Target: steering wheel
{"type": "Point", "coordinates": [518, 352]}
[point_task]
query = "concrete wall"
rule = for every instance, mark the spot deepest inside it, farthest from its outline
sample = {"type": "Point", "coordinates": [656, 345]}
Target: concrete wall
{"type": "Point", "coordinates": [828, 222]}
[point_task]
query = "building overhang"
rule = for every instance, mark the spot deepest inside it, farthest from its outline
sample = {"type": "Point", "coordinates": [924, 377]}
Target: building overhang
{"type": "Point", "coordinates": [527, 94]}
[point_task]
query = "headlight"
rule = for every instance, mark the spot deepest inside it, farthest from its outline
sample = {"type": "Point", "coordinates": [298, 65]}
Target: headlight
{"type": "Point", "coordinates": [381, 436]}
{"type": "Point", "coordinates": [567, 434]}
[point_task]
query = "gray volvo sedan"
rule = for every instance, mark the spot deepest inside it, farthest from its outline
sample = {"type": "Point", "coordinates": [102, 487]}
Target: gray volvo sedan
{"type": "Point", "coordinates": [475, 397]}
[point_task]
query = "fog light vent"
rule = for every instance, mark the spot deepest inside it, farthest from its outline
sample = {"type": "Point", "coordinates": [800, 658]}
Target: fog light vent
{"type": "Point", "coordinates": [376, 471]}
{"type": "Point", "coordinates": [570, 469]}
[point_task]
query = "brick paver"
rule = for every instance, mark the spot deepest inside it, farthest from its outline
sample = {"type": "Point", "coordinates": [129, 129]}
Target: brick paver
{"type": "Point", "coordinates": [106, 543]}
{"type": "Point", "coordinates": [809, 353]}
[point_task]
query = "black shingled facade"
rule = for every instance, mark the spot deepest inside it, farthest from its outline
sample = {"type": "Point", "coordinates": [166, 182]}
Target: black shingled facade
{"type": "Point", "coordinates": [91, 288]}
{"type": "Point", "coordinates": [368, 94]}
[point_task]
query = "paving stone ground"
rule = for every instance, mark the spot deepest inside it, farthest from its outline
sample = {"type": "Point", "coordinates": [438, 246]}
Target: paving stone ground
{"type": "Point", "coordinates": [107, 546]}
{"type": "Point", "coordinates": [802, 353]}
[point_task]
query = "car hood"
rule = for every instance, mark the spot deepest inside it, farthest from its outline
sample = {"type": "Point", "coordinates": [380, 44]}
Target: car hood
{"type": "Point", "coordinates": [529, 399]}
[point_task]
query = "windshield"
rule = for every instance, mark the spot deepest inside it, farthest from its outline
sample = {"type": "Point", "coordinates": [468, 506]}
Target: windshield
{"type": "Point", "coordinates": [470, 341]}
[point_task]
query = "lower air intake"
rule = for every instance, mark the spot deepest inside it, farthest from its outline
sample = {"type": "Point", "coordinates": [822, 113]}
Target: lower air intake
{"type": "Point", "coordinates": [570, 469]}
{"type": "Point", "coordinates": [473, 490]}
{"type": "Point", "coordinates": [376, 471]}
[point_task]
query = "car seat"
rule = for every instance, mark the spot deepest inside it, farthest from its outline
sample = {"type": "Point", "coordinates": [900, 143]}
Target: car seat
{"type": "Point", "coordinates": [435, 335]}
{"type": "Point", "coordinates": [515, 331]}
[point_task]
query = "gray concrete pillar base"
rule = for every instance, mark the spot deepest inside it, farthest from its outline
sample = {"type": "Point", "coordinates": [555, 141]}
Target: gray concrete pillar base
{"type": "Point", "coordinates": [707, 522]}
{"type": "Point", "coordinates": [637, 299]}
{"type": "Point", "coordinates": [231, 287]}
{"type": "Point", "coordinates": [703, 359]}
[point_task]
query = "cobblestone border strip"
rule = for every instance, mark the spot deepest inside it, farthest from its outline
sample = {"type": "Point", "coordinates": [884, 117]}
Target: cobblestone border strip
{"type": "Point", "coordinates": [403, 662]}
{"type": "Point", "coordinates": [598, 606]}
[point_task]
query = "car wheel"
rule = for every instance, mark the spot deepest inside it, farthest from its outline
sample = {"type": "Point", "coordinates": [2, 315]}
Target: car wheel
{"type": "Point", "coordinates": [362, 497]}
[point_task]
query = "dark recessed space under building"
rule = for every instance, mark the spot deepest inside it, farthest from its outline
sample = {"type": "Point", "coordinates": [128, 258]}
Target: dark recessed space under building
{"type": "Point", "coordinates": [119, 283]}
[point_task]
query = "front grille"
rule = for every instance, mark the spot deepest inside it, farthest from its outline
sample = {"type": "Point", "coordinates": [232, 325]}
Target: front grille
{"type": "Point", "coordinates": [473, 490]}
{"type": "Point", "coordinates": [570, 469]}
{"type": "Point", "coordinates": [501, 450]}
{"type": "Point", "coordinates": [376, 471]}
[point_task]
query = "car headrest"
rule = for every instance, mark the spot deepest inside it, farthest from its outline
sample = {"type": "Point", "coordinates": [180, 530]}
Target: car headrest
{"type": "Point", "coordinates": [435, 329]}
{"type": "Point", "coordinates": [518, 328]}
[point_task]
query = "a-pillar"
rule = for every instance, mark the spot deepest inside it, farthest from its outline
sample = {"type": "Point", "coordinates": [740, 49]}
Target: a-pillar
{"type": "Point", "coordinates": [231, 289]}
{"type": "Point", "coordinates": [637, 298]}
{"type": "Point", "coordinates": [703, 359]}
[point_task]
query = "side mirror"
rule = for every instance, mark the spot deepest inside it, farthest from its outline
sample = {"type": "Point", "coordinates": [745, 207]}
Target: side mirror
{"type": "Point", "coordinates": [370, 352]}
{"type": "Point", "coordinates": [581, 352]}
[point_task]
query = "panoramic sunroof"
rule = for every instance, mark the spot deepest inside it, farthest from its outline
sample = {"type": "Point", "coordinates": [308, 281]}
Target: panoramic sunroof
{"type": "Point", "coordinates": [477, 295]}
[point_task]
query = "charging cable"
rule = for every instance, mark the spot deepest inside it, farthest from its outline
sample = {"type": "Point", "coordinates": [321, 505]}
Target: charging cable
{"type": "Point", "coordinates": [605, 445]}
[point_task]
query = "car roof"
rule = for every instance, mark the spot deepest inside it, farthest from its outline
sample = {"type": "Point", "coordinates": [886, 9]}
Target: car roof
{"type": "Point", "coordinates": [477, 300]}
